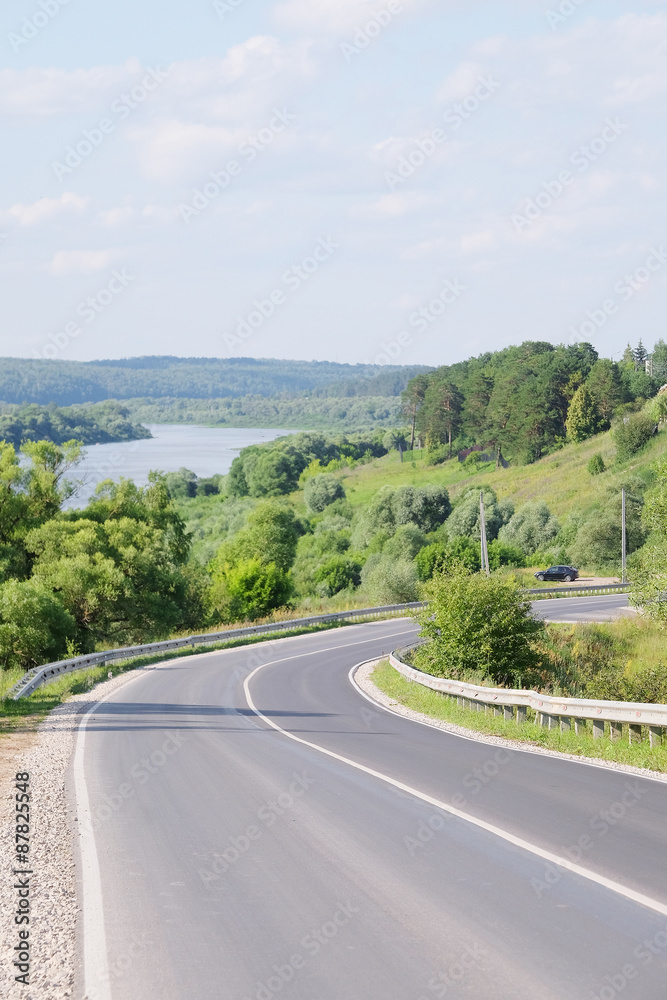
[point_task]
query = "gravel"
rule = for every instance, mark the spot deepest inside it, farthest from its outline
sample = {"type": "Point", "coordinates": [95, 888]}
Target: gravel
{"type": "Point", "coordinates": [362, 678]}
{"type": "Point", "coordinates": [54, 903]}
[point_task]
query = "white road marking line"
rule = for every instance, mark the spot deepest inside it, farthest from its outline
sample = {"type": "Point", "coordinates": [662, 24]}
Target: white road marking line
{"type": "Point", "coordinates": [510, 838]}
{"type": "Point", "coordinates": [95, 958]}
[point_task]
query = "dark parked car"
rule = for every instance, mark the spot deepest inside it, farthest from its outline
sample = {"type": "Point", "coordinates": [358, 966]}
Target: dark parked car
{"type": "Point", "coordinates": [566, 573]}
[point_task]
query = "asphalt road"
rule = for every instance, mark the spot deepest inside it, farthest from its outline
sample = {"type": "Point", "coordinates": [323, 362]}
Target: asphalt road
{"type": "Point", "coordinates": [236, 862]}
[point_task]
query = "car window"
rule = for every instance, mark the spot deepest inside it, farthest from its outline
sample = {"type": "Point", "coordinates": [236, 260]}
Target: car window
{"type": "Point", "coordinates": [553, 569]}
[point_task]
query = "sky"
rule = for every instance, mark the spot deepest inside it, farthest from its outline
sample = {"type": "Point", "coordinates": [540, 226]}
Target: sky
{"type": "Point", "coordinates": [405, 181]}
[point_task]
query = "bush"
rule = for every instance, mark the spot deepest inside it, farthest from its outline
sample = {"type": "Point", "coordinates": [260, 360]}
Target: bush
{"type": "Point", "coordinates": [338, 573]}
{"type": "Point", "coordinates": [531, 528]}
{"type": "Point", "coordinates": [439, 556]}
{"type": "Point", "coordinates": [427, 507]}
{"type": "Point", "coordinates": [464, 519]}
{"type": "Point", "coordinates": [635, 431]}
{"type": "Point", "coordinates": [34, 626]}
{"type": "Point", "coordinates": [501, 554]}
{"type": "Point", "coordinates": [478, 624]}
{"type": "Point", "coordinates": [321, 491]}
{"type": "Point", "coordinates": [390, 581]}
{"type": "Point", "coordinates": [596, 464]}
{"type": "Point", "coordinates": [250, 590]}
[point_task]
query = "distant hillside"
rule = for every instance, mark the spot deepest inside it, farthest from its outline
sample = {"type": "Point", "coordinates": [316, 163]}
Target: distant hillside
{"type": "Point", "coordinates": [24, 380]}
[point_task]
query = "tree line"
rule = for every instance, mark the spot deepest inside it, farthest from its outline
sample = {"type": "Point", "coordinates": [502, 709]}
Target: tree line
{"type": "Point", "coordinates": [24, 380]}
{"type": "Point", "coordinates": [103, 423]}
{"type": "Point", "coordinates": [526, 400]}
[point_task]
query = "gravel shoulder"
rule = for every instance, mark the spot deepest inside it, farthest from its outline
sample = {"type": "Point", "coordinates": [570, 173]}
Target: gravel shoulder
{"type": "Point", "coordinates": [46, 755]}
{"type": "Point", "coordinates": [362, 677]}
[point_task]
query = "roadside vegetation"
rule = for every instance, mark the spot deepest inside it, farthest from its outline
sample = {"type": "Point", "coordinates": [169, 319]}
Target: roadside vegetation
{"type": "Point", "coordinates": [316, 522]}
{"type": "Point", "coordinates": [530, 733]}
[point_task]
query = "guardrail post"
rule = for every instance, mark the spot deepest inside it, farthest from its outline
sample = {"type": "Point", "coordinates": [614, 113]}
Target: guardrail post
{"type": "Point", "coordinates": [497, 710]}
{"type": "Point", "coordinates": [655, 735]}
{"type": "Point", "coordinates": [598, 728]}
{"type": "Point", "coordinates": [508, 713]}
{"type": "Point", "coordinates": [616, 730]}
{"type": "Point", "coordinates": [634, 733]}
{"type": "Point", "coordinates": [565, 724]}
{"type": "Point", "coordinates": [521, 714]}
{"type": "Point", "coordinates": [580, 726]}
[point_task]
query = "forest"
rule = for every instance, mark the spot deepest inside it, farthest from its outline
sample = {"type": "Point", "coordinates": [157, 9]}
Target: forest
{"type": "Point", "coordinates": [63, 382]}
{"type": "Point", "coordinates": [526, 400]}
{"type": "Point", "coordinates": [102, 423]}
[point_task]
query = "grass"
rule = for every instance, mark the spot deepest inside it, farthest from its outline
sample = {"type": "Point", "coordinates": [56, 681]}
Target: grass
{"type": "Point", "coordinates": [561, 479]}
{"type": "Point", "coordinates": [440, 706]}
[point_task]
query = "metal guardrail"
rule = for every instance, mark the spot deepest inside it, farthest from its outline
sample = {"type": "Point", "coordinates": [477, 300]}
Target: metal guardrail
{"type": "Point", "coordinates": [551, 712]}
{"type": "Point", "coordinates": [38, 676]}
{"type": "Point", "coordinates": [572, 590]}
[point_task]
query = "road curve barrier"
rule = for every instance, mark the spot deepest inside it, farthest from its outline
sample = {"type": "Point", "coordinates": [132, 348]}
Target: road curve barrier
{"type": "Point", "coordinates": [38, 676]}
{"type": "Point", "coordinates": [552, 713]}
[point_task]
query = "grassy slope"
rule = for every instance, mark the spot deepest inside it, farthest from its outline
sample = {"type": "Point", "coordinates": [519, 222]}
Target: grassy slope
{"type": "Point", "coordinates": [561, 479]}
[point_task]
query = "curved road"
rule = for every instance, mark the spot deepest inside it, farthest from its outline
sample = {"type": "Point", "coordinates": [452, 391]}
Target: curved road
{"type": "Point", "coordinates": [237, 861]}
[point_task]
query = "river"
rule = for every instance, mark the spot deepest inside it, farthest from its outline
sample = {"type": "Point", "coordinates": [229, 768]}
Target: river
{"type": "Point", "coordinates": [205, 450]}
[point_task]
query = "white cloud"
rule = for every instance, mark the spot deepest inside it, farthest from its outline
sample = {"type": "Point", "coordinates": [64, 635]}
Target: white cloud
{"type": "Point", "coordinates": [48, 208]}
{"type": "Point", "coordinates": [41, 92]}
{"type": "Point", "coordinates": [116, 218]}
{"type": "Point", "coordinates": [460, 83]}
{"type": "Point", "coordinates": [336, 17]}
{"type": "Point", "coordinates": [67, 262]}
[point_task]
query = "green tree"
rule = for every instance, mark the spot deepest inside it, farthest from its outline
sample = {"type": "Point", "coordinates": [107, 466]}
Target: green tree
{"type": "Point", "coordinates": [606, 387]}
{"type": "Point", "coordinates": [596, 464]}
{"type": "Point", "coordinates": [34, 625]}
{"type": "Point", "coordinates": [336, 574]}
{"type": "Point", "coordinates": [464, 519]}
{"type": "Point", "coordinates": [531, 528]}
{"type": "Point", "coordinates": [412, 399]}
{"type": "Point", "coordinates": [632, 433]}
{"type": "Point", "coordinates": [249, 589]}
{"type": "Point", "coordinates": [321, 491]}
{"type": "Point", "coordinates": [583, 417]}
{"type": "Point", "coordinates": [478, 625]}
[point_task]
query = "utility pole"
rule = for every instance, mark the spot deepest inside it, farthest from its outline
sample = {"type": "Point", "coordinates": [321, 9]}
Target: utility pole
{"type": "Point", "coordinates": [623, 538]}
{"type": "Point", "coordinates": [482, 532]}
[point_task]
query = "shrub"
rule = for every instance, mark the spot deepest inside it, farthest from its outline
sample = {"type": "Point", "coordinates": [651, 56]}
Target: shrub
{"type": "Point", "coordinates": [632, 434]}
{"type": "Point", "coordinates": [390, 581]}
{"type": "Point", "coordinates": [34, 626]}
{"type": "Point", "coordinates": [338, 573]}
{"type": "Point", "coordinates": [476, 623]}
{"type": "Point", "coordinates": [464, 519]}
{"type": "Point", "coordinates": [501, 554]}
{"type": "Point", "coordinates": [321, 491]}
{"type": "Point", "coordinates": [532, 527]}
{"type": "Point", "coordinates": [249, 590]}
{"type": "Point", "coordinates": [596, 464]}
{"type": "Point", "coordinates": [439, 556]}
